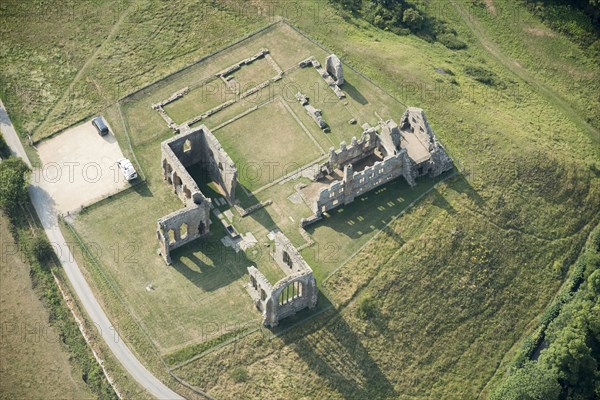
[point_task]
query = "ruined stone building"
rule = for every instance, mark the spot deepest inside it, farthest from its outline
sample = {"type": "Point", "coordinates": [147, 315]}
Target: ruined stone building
{"type": "Point", "coordinates": [191, 147]}
{"type": "Point", "coordinates": [385, 152]}
{"type": "Point", "coordinates": [293, 293]}
{"type": "Point", "coordinates": [381, 155]}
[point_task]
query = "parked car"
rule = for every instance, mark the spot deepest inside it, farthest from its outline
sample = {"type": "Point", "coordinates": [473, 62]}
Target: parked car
{"type": "Point", "coordinates": [127, 169]}
{"type": "Point", "coordinates": [100, 126]}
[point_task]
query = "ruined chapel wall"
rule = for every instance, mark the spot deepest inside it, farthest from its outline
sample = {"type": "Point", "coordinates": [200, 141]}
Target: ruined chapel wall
{"type": "Point", "coordinates": [186, 224]}
{"type": "Point", "coordinates": [357, 150]}
{"type": "Point", "coordinates": [293, 262]}
{"type": "Point", "coordinates": [219, 165]}
{"type": "Point", "coordinates": [175, 173]}
{"type": "Point", "coordinates": [358, 183]}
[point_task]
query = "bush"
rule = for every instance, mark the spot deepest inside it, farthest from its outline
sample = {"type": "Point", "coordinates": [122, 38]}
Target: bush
{"type": "Point", "coordinates": [14, 177]}
{"type": "Point", "coordinates": [413, 19]}
{"type": "Point", "coordinates": [451, 41]}
{"type": "Point", "coordinates": [366, 308]}
{"type": "Point", "coordinates": [4, 150]}
{"type": "Point", "coordinates": [482, 75]}
{"type": "Point", "coordinates": [239, 375]}
{"type": "Point", "coordinates": [529, 383]}
{"type": "Point", "coordinates": [41, 249]}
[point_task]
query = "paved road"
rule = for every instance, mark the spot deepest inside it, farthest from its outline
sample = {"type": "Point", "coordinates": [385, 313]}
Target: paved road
{"type": "Point", "coordinates": [10, 135]}
{"type": "Point", "coordinates": [44, 207]}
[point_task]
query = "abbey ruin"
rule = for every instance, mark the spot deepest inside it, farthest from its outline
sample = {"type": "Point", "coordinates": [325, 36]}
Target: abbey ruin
{"type": "Point", "coordinates": [385, 152]}
{"type": "Point", "coordinates": [382, 154]}
{"type": "Point", "coordinates": [297, 291]}
{"type": "Point", "coordinates": [190, 147]}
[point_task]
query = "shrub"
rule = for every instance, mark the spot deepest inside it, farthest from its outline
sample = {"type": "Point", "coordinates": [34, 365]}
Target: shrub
{"type": "Point", "coordinates": [366, 308]}
{"type": "Point", "coordinates": [413, 19]}
{"type": "Point", "coordinates": [482, 75]}
{"type": "Point", "coordinates": [239, 374]}
{"type": "Point", "coordinates": [4, 150]}
{"type": "Point", "coordinates": [14, 174]}
{"type": "Point", "coordinates": [451, 41]}
{"type": "Point", "coordinates": [41, 249]}
{"type": "Point", "coordinates": [529, 383]}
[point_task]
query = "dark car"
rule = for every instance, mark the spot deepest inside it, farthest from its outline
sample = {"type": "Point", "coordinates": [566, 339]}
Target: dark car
{"type": "Point", "coordinates": [100, 126]}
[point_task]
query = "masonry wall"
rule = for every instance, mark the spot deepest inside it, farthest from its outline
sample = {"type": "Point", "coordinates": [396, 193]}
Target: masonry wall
{"type": "Point", "coordinates": [297, 291]}
{"type": "Point", "coordinates": [357, 150]}
{"type": "Point", "coordinates": [219, 165]}
{"type": "Point", "coordinates": [187, 224]}
{"type": "Point", "coordinates": [175, 173]}
{"type": "Point", "coordinates": [287, 256]}
{"type": "Point", "coordinates": [195, 146]}
{"type": "Point", "coordinates": [355, 184]}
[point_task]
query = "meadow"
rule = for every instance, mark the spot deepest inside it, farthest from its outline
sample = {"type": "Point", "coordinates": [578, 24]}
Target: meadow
{"type": "Point", "coordinates": [32, 352]}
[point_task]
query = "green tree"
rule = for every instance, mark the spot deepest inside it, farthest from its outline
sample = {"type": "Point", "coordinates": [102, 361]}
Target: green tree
{"type": "Point", "coordinates": [413, 19]}
{"type": "Point", "coordinates": [41, 249]}
{"type": "Point", "coordinates": [529, 383]}
{"type": "Point", "coordinates": [14, 178]}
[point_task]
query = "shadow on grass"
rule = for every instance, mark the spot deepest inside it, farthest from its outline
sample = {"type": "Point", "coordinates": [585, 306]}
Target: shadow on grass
{"type": "Point", "coordinates": [461, 184]}
{"type": "Point", "coordinates": [373, 210]}
{"type": "Point", "coordinates": [354, 93]}
{"type": "Point", "coordinates": [142, 189]}
{"type": "Point", "coordinates": [336, 354]}
{"type": "Point", "coordinates": [207, 263]}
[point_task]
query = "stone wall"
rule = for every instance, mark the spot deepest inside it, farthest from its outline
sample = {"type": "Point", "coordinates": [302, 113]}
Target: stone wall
{"type": "Point", "coordinates": [414, 126]}
{"type": "Point", "coordinates": [181, 227]}
{"type": "Point", "coordinates": [354, 184]}
{"type": "Point", "coordinates": [191, 147]}
{"type": "Point", "coordinates": [334, 68]}
{"type": "Point", "coordinates": [357, 150]}
{"type": "Point", "coordinates": [219, 165]}
{"type": "Point", "coordinates": [175, 158]}
{"type": "Point", "coordinates": [295, 292]}
{"type": "Point", "coordinates": [287, 256]}
{"type": "Point", "coordinates": [409, 149]}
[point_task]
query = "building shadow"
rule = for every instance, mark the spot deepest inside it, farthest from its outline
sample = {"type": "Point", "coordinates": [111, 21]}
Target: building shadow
{"type": "Point", "coordinates": [461, 184]}
{"type": "Point", "coordinates": [373, 210]}
{"type": "Point", "coordinates": [142, 189]}
{"type": "Point", "coordinates": [334, 351]}
{"type": "Point", "coordinates": [354, 93]}
{"type": "Point", "coordinates": [207, 263]}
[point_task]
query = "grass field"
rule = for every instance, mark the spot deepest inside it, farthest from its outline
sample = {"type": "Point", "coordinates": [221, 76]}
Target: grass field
{"type": "Point", "coordinates": [436, 303]}
{"type": "Point", "coordinates": [267, 137]}
{"type": "Point", "coordinates": [32, 352]}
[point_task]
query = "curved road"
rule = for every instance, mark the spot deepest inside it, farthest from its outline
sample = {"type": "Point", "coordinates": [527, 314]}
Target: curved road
{"type": "Point", "coordinates": [43, 206]}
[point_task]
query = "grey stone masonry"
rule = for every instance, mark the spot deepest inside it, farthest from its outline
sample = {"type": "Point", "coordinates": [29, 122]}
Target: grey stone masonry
{"type": "Point", "coordinates": [191, 147]}
{"type": "Point", "coordinates": [334, 68]}
{"type": "Point", "coordinates": [291, 294]}
{"type": "Point", "coordinates": [409, 149]}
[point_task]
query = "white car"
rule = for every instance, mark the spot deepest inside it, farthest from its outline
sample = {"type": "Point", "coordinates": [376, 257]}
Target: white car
{"type": "Point", "coordinates": [127, 169]}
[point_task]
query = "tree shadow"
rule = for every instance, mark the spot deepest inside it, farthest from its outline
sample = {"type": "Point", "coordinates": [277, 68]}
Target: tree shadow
{"type": "Point", "coordinates": [354, 93]}
{"type": "Point", "coordinates": [335, 352]}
